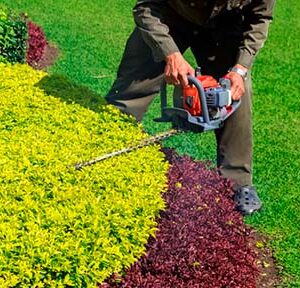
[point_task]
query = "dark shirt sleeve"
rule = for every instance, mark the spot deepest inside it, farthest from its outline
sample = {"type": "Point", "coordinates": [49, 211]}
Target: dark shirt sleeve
{"type": "Point", "coordinates": [258, 16]}
{"type": "Point", "coordinates": [149, 20]}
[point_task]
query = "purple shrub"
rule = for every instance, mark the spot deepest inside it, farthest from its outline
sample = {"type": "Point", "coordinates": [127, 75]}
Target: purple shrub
{"type": "Point", "coordinates": [201, 240]}
{"type": "Point", "coordinates": [37, 44]}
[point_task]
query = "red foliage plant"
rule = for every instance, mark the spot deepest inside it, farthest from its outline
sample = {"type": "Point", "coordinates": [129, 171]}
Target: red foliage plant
{"type": "Point", "coordinates": [201, 240]}
{"type": "Point", "coordinates": [37, 44]}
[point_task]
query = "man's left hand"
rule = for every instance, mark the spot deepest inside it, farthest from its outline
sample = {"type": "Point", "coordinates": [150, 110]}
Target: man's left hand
{"type": "Point", "coordinates": [237, 83]}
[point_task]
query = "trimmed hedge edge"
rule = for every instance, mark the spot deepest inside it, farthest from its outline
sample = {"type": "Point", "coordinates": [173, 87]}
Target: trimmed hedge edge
{"type": "Point", "coordinates": [60, 227]}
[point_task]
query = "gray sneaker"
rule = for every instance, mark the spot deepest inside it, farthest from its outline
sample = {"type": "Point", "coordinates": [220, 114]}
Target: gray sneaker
{"type": "Point", "coordinates": [247, 200]}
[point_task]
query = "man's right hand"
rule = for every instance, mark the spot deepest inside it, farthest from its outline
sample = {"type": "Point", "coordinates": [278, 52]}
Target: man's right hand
{"type": "Point", "coordinates": [177, 69]}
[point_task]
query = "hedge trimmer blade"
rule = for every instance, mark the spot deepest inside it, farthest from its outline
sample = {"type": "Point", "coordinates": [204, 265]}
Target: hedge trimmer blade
{"type": "Point", "coordinates": [203, 105]}
{"type": "Point", "coordinates": [145, 142]}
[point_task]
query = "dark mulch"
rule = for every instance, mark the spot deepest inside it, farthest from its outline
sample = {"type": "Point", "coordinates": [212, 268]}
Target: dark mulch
{"type": "Point", "coordinates": [269, 270]}
{"type": "Point", "coordinates": [201, 240]}
{"type": "Point", "coordinates": [48, 58]}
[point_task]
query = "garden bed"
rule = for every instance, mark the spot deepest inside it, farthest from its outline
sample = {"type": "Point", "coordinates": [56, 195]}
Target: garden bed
{"type": "Point", "coordinates": [99, 220]}
{"type": "Point", "coordinates": [201, 240]}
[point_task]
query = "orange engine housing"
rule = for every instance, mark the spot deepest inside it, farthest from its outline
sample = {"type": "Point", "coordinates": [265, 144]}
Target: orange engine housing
{"type": "Point", "coordinates": [191, 99]}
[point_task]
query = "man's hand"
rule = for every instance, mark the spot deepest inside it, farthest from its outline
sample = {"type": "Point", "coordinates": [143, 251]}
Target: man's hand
{"type": "Point", "coordinates": [177, 69]}
{"type": "Point", "coordinates": [237, 83]}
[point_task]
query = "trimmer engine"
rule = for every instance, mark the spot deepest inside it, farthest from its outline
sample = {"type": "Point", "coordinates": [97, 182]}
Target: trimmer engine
{"type": "Point", "coordinates": [217, 96]}
{"type": "Point", "coordinates": [202, 105]}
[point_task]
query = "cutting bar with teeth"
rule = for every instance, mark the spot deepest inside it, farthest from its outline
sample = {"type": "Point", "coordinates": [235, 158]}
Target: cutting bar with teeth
{"type": "Point", "coordinates": [145, 142]}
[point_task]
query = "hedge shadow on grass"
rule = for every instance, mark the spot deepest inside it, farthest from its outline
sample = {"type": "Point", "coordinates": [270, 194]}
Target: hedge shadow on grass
{"type": "Point", "coordinates": [61, 87]}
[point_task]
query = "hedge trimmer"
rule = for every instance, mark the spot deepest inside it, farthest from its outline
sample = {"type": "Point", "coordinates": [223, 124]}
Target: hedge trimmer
{"type": "Point", "coordinates": [203, 105]}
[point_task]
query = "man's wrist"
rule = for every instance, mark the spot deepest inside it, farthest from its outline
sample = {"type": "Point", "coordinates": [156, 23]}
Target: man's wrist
{"type": "Point", "coordinates": [172, 56]}
{"type": "Point", "coordinates": [241, 70]}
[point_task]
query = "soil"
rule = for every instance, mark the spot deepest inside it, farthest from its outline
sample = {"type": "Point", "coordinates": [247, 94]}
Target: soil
{"type": "Point", "coordinates": [50, 55]}
{"type": "Point", "coordinates": [269, 270]}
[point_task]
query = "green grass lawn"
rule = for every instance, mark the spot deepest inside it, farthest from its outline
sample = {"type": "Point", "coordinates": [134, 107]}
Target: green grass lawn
{"type": "Point", "coordinates": [91, 38]}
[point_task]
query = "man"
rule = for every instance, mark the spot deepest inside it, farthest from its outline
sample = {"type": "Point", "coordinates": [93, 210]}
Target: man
{"type": "Point", "coordinates": [224, 36]}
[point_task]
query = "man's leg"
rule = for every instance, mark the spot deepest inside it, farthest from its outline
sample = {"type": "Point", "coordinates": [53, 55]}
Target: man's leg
{"type": "Point", "coordinates": [234, 142]}
{"type": "Point", "coordinates": [234, 139]}
{"type": "Point", "coordinates": [234, 154]}
{"type": "Point", "coordinates": [138, 78]}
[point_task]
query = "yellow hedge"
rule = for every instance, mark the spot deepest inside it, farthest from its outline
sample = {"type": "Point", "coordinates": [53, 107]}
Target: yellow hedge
{"type": "Point", "coordinates": [60, 227]}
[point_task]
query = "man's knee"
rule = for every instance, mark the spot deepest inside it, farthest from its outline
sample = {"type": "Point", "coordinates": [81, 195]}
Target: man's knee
{"type": "Point", "coordinates": [134, 107]}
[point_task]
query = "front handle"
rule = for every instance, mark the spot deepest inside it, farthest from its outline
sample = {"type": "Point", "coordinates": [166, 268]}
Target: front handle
{"type": "Point", "coordinates": [194, 81]}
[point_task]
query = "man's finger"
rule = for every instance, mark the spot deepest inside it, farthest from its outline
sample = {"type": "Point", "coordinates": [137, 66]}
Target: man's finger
{"type": "Point", "coordinates": [183, 80]}
{"type": "Point", "coordinates": [234, 91]}
{"type": "Point", "coordinates": [168, 79]}
{"type": "Point", "coordinates": [172, 78]}
{"type": "Point", "coordinates": [191, 71]}
{"type": "Point", "coordinates": [238, 93]}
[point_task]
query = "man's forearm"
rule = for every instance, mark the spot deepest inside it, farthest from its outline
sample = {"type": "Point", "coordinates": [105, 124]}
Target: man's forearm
{"type": "Point", "coordinates": [148, 18]}
{"type": "Point", "coordinates": [258, 16]}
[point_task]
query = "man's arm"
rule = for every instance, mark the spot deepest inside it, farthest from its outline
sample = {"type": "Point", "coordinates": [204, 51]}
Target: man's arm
{"type": "Point", "coordinates": [148, 18]}
{"type": "Point", "coordinates": [258, 16]}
